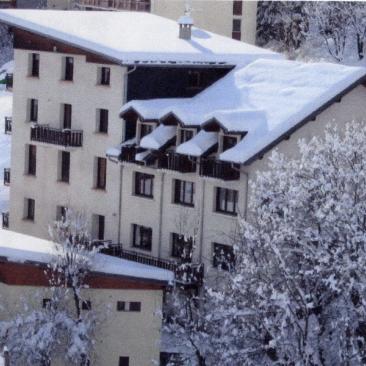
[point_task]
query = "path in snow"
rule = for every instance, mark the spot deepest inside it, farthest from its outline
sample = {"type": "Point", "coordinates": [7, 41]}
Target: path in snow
{"type": "Point", "coordinates": [5, 111]}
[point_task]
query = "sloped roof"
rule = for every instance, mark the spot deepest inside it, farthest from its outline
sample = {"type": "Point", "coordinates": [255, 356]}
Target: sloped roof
{"type": "Point", "coordinates": [130, 37]}
{"type": "Point", "coordinates": [21, 248]}
{"type": "Point", "coordinates": [265, 99]}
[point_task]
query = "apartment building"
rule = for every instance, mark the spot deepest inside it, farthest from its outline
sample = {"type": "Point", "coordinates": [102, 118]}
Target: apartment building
{"type": "Point", "coordinates": [231, 18]}
{"type": "Point", "coordinates": [69, 84]}
{"type": "Point", "coordinates": [125, 296]}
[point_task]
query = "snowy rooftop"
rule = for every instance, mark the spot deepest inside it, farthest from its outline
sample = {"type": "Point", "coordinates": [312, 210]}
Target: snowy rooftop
{"type": "Point", "coordinates": [130, 37]}
{"type": "Point", "coordinates": [264, 99]}
{"type": "Point", "coordinates": [21, 248]}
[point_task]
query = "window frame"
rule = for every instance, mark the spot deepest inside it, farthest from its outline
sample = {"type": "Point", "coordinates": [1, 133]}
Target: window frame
{"type": "Point", "coordinates": [238, 7]}
{"type": "Point", "coordinates": [236, 24]}
{"type": "Point", "coordinates": [145, 126]}
{"type": "Point", "coordinates": [228, 251]}
{"type": "Point", "coordinates": [142, 189]}
{"type": "Point", "coordinates": [101, 176]}
{"type": "Point", "coordinates": [183, 135]}
{"type": "Point", "coordinates": [32, 160]}
{"type": "Point", "coordinates": [67, 116]}
{"type": "Point", "coordinates": [138, 237]}
{"type": "Point", "coordinates": [181, 192]}
{"type": "Point", "coordinates": [178, 252]}
{"type": "Point", "coordinates": [30, 209]}
{"type": "Point", "coordinates": [228, 141]}
{"type": "Point", "coordinates": [132, 304]}
{"type": "Point", "coordinates": [69, 68]}
{"type": "Point", "coordinates": [105, 76]}
{"type": "Point", "coordinates": [103, 120]}
{"type": "Point", "coordinates": [226, 192]}
{"type": "Point", "coordinates": [35, 62]}
{"type": "Point", "coordinates": [33, 110]}
{"type": "Point", "coordinates": [123, 361]}
{"type": "Point", "coordinates": [65, 167]}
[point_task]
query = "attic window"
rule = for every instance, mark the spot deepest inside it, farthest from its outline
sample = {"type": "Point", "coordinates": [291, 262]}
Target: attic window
{"type": "Point", "coordinates": [185, 135]}
{"type": "Point", "coordinates": [146, 129]}
{"type": "Point", "coordinates": [228, 142]}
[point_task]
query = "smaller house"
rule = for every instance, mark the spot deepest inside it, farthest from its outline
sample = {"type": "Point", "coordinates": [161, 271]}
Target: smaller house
{"type": "Point", "coordinates": [129, 296]}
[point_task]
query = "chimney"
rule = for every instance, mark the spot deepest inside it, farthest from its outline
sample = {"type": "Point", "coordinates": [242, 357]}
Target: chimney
{"type": "Point", "coordinates": [185, 25]}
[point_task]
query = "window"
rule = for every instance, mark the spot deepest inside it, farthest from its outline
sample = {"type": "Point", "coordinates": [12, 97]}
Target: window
{"type": "Point", "coordinates": [104, 76]}
{"type": "Point", "coordinates": [65, 167]}
{"type": "Point", "coordinates": [32, 159]}
{"type": "Point", "coordinates": [184, 192]}
{"type": "Point", "coordinates": [46, 303]}
{"type": "Point", "coordinates": [121, 306]}
{"type": "Point", "coordinates": [103, 121]}
{"type": "Point", "coordinates": [181, 248]}
{"type": "Point", "coordinates": [223, 256]}
{"type": "Point", "coordinates": [226, 201]}
{"type": "Point", "coordinates": [144, 185]}
{"type": "Point", "coordinates": [124, 361]}
{"type": "Point", "coordinates": [33, 113]}
{"type": "Point", "coordinates": [101, 173]}
{"type": "Point", "coordinates": [185, 135]}
{"type": "Point", "coordinates": [237, 7]}
{"type": "Point", "coordinates": [86, 305]}
{"type": "Point", "coordinates": [30, 208]}
{"type": "Point", "coordinates": [194, 79]}
{"type": "Point", "coordinates": [69, 68]}
{"type": "Point", "coordinates": [142, 237]}
{"type": "Point", "coordinates": [101, 227]}
{"type": "Point", "coordinates": [60, 213]}
{"type": "Point", "coordinates": [67, 116]}
{"type": "Point", "coordinates": [228, 142]}
{"type": "Point", "coordinates": [236, 29]}
{"type": "Point", "coordinates": [145, 129]}
{"type": "Point", "coordinates": [135, 306]}
{"type": "Point", "coordinates": [34, 65]}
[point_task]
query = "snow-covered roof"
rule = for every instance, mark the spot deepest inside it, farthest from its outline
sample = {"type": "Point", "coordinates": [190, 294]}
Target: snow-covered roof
{"type": "Point", "coordinates": [199, 144]}
{"type": "Point", "coordinates": [22, 248]}
{"type": "Point", "coordinates": [158, 137]}
{"type": "Point", "coordinates": [264, 99]}
{"type": "Point", "coordinates": [130, 37]}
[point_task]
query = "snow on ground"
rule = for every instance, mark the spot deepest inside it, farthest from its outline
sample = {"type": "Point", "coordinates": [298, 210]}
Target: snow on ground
{"type": "Point", "coordinates": [20, 248]}
{"type": "Point", "coordinates": [5, 111]}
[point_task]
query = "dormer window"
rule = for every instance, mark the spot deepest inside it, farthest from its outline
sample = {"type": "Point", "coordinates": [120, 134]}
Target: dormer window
{"type": "Point", "coordinates": [145, 129]}
{"type": "Point", "coordinates": [228, 142]}
{"type": "Point", "coordinates": [186, 135]}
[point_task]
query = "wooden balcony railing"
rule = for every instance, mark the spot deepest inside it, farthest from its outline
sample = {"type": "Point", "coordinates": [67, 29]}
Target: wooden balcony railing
{"type": "Point", "coordinates": [186, 274]}
{"type": "Point", "coordinates": [5, 220]}
{"type": "Point", "coordinates": [49, 135]}
{"type": "Point", "coordinates": [8, 125]}
{"type": "Point", "coordinates": [9, 81]}
{"type": "Point", "coordinates": [6, 176]}
{"type": "Point", "coordinates": [219, 169]}
{"type": "Point", "coordinates": [135, 5]}
{"type": "Point", "coordinates": [177, 162]}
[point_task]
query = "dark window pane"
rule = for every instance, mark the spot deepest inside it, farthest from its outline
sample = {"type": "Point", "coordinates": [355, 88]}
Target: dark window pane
{"type": "Point", "coordinates": [145, 129]}
{"type": "Point", "coordinates": [35, 65]}
{"type": "Point", "coordinates": [46, 303]}
{"type": "Point", "coordinates": [30, 209]}
{"type": "Point", "coordinates": [184, 192]}
{"type": "Point", "coordinates": [223, 256]}
{"type": "Point", "coordinates": [33, 110]}
{"type": "Point", "coordinates": [121, 306]}
{"type": "Point", "coordinates": [144, 184]}
{"type": "Point", "coordinates": [65, 166]}
{"type": "Point", "coordinates": [186, 135]}
{"type": "Point", "coordinates": [32, 159]}
{"type": "Point", "coordinates": [103, 120]}
{"type": "Point", "coordinates": [105, 76]}
{"type": "Point", "coordinates": [238, 7]}
{"type": "Point", "coordinates": [69, 68]}
{"type": "Point", "coordinates": [182, 247]}
{"type": "Point", "coordinates": [102, 173]}
{"type": "Point", "coordinates": [124, 361]}
{"type": "Point", "coordinates": [142, 237]}
{"type": "Point", "coordinates": [135, 306]}
{"type": "Point", "coordinates": [101, 226]}
{"type": "Point", "coordinates": [228, 142]}
{"type": "Point", "coordinates": [236, 25]}
{"type": "Point", "coordinates": [226, 201]}
{"type": "Point", "coordinates": [67, 116]}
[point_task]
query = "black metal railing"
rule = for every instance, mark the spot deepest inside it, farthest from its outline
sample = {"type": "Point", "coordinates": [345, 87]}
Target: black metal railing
{"type": "Point", "coordinates": [8, 125]}
{"type": "Point", "coordinates": [49, 135]}
{"type": "Point", "coordinates": [219, 169]}
{"type": "Point", "coordinates": [9, 81]}
{"type": "Point", "coordinates": [187, 274]}
{"type": "Point", "coordinates": [6, 176]}
{"type": "Point", "coordinates": [177, 162]}
{"type": "Point", "coordinates": [135, 5]}
{"type": "Point", "coordinates": [5, 220]}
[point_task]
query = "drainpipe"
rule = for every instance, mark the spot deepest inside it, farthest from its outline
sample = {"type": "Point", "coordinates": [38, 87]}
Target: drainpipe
{"type": "Point", "coordinates": [161, 213]}
{"type": "Point", "coordinates": [125, 84]}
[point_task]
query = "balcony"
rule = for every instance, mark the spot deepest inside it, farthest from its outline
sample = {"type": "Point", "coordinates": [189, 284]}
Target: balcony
{"type": "Point", "coordinates": [185, 274]}
{"type": "Point", "coordinates": [6, 176]}
{"type": "Point", "coordinates": [135, 5]}
{"type": "Point", "coordinates": [8, 125]}
{"type": "Point", "coordinates": [219, 169]}
{"type": "Point", "coordinates": [5, 220]}
{"type": "Point", "coordinates": [49, 135]}
{"type": "Point", "coordinates": [177, 162]}
{"type": "Point", "coordinates": [9, 81]}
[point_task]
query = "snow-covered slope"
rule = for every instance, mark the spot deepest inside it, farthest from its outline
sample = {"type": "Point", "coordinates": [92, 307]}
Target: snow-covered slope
{"type": "Point", "coordinates": [5, 111]}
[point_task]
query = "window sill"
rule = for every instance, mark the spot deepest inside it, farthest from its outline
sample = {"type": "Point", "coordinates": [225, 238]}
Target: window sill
{"type": "Point", "coordinates": [33, 77]}
{"type": "Point", "coordinates": [103, 85]}
{"type": "Point", "coordinates": [183, 204]}
{"type": "Point", "coordinates": [140, 248]}
{"type": "Point", "coordinates": [99, 189]}
{"type": "Point", "coordinates": [101, 133]}
{"type": "Point", "coordinates": [144, 196]}
{"type": "Point", "coordinates": [30, 175]}
{"type": "Point", "coordinates": [66, 81]}
{"type": "Point", "coordinates": [63, 182]}
{"type": "Point", "coordinates": [28, 220]}
{"type": "Point", "coordinates": [226, 214]}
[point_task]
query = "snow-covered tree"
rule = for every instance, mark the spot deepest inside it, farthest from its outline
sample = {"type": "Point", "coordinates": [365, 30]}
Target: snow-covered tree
{"type": "Point", "coordinates": [297, 295]}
